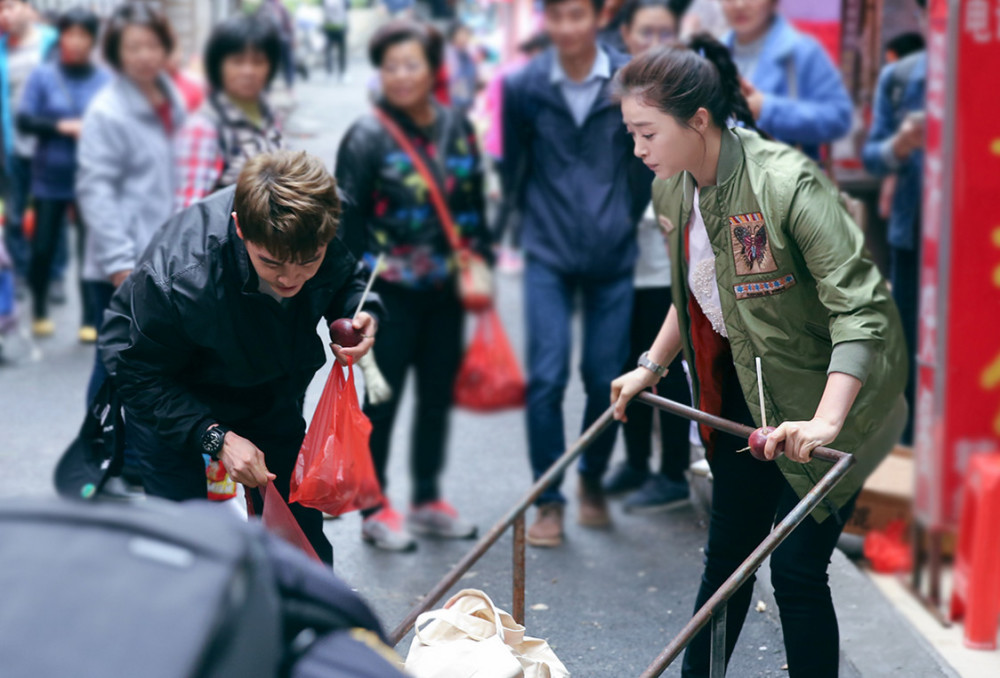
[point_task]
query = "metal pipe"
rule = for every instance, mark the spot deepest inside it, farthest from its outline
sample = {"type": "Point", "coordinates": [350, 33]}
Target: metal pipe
{"type": "Point", "coordinates": [753, 562]}
{"type": "Point", "coordinates": [717, 658]}
{"type": "Point", "coordinates": [491, 537]}
{"type": "Point", "coordinates": [824, 453]}
{"type": "Point", "coordinates": [519, 577]}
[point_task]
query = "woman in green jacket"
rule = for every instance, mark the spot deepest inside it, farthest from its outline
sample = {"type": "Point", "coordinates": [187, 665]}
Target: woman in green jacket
{"type": "Point", "coordinates": [766, 263]}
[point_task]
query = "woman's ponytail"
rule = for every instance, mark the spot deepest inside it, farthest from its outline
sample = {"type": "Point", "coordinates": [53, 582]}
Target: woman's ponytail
{"type": "Point", "coordinates": [729, 78]}
{"type": "Point", "coordinates": [680, 79]}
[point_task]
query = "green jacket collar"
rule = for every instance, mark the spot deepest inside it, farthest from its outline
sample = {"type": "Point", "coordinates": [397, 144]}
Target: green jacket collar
{"type": "Point", "coordinates": [730, 159]}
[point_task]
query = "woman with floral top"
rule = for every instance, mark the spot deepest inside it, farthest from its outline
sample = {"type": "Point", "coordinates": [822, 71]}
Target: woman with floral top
{"type": "Point", "coordinates": [424, 326]}
{"type": "Point", "coordinates": [235, 122]}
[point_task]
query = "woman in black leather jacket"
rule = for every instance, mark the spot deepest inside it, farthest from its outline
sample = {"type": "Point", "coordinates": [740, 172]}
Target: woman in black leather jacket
{"type": "Point", "coordinates": [424, 327]}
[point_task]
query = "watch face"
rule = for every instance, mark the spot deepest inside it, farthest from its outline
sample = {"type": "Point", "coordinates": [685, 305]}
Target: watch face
{"type": "Point", "coordinates": [212, 442]}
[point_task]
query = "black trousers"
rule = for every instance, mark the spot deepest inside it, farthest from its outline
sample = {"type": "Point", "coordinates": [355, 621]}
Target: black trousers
{"type": "Point", "coordinates": [50, 220]}
{"type": "Point", "coordinates": [336, 37]}
{"type": "Point", "coordinates": [749, 497]}
{"type": "Point", "coordinates": [423, 330]}
{"type": "Point", "coordinates": [648, 313]}
{"type": "Point", "coordinates": [179, 475]}
{"type": "Point", "coordinates": [904, 271]}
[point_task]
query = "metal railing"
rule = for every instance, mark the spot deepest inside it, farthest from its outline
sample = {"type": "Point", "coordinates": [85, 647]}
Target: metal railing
{"type": "Point", "coordinates": [713, 610]}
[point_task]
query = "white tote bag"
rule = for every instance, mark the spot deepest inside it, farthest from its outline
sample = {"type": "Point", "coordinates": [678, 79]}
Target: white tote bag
{"type": "Point", "coordinates": [471, 638]}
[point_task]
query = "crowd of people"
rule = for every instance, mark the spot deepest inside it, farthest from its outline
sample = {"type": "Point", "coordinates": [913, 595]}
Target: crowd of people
{"type": "Point", "coordinates": [670, 186]}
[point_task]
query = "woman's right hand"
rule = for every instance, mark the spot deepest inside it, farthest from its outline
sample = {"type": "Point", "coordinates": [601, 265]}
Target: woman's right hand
{"type": "Point", "coordinates": [628, 386]}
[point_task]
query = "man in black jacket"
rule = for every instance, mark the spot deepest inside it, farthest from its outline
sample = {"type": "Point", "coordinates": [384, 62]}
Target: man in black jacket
{"type": "Point", "coordinates": [212, 339]}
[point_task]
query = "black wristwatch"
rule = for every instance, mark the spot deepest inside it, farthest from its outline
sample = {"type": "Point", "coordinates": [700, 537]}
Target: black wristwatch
{"type": "Point", "coordinates": [213, 439]}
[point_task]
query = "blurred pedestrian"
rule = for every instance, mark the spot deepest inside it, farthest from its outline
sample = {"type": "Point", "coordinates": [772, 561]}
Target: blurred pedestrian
{"type": "Point", "coordinates": [568, 166]}
{"type": "Point", "coordinates": [212, 339]}
{"type": "Point", "coordinates": [647, 24]}
{"type": "Point", "coordinates": [762, 249]}
{"type": "Point", "coordinates": [55, 99]}
{"type": "Point", "coordinates": [279, 16]}
{"type": "Point", "coordinates": [895, 146]}
{"type": "Point", "coordinates": [235, 123]}
{"type": "Point", "coordinates": [794, 90]}
{"type": "Point", "coordinates": [463, 71]}
{"type": "Point", "coordinates": [24, 44]}
{"type": "Point", "coordinates": [126, 176]}
{"type": "Point", "coordinates": [335, 24]}
{"type": "Point", "coordinates": [424, 326]}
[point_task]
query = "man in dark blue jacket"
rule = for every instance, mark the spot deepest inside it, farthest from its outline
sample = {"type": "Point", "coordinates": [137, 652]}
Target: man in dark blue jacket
{"type": "Point", "coordinates": [570, 167]}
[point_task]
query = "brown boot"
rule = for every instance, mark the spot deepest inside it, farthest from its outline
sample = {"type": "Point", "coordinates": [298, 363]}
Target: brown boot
{"type": "Point", "coordinates": [593, 505]}
{"type": "Point", "coordinates": [547, 530]}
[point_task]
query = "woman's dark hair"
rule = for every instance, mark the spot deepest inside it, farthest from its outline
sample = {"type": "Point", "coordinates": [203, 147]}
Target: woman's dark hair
{"type": "Point", "coordinates": [905, 44]}
{"type": "Point", "coordinates": [79, 17]}
{"type": "Point", "coordinates": [680, 79]}
{"type": "Point", "coordinates": [135, 14]}
{"type": "Point", "coordinates": [235, 35]}
{"type": "Point", "coordinates": [626, 15]}
{"type": "Point", "coordinates": [598, 5]}
{"type": "Point", "coordinates": [399, 31]}
{"type": "Point", "coordinates": [536, 43]}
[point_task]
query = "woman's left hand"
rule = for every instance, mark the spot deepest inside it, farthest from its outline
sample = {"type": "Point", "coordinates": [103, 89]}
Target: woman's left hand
{"type": "Point", "coordinates": [368, 326]}
{"type": "Point", "coordinates": [801, 438]}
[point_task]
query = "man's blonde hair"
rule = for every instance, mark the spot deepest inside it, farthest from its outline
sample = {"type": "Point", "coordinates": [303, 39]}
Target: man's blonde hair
{"type": "Point", "coordinates": [287, 203]}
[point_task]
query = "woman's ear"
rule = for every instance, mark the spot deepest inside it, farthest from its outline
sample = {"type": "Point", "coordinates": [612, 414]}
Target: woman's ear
{"type": "Point", "coordinates": [701, 120]}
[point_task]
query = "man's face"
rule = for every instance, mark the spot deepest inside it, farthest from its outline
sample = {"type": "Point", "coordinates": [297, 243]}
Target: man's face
{"type": "Point", "coordinates": [286, 278]}
{"type": "Point", "coordinates": [572, 26]}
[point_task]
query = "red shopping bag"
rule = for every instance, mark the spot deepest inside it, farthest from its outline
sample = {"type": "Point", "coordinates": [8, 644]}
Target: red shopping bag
{"type": "Point", "coordinates": [334, 472]}
{"type": "Point", "coordinates": [278, 518]}
{"type": "Point", "coordinates": [489, 378]}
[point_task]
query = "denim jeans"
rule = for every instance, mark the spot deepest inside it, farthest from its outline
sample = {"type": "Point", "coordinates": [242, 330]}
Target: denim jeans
{"type": "Point", "coordinates": [607, 310]}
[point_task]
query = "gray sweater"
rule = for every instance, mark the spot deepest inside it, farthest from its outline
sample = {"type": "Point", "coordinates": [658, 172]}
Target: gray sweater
{"type": "Point", "coordinates": [126, 175]}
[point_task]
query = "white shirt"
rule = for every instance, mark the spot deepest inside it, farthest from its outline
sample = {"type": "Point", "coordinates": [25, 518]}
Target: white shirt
{"type": "Point", "coordinates": [701, 270]}
{"type": "Point", "coordinates": [652, 269]}
{"type": "Point", "coordinates": [580, 96]}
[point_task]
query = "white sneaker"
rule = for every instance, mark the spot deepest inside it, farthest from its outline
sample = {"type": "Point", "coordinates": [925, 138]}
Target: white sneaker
{"type": "Point", "coordinates": [385, 530]}
{"type": "Point", "coordinates": [440, 519]}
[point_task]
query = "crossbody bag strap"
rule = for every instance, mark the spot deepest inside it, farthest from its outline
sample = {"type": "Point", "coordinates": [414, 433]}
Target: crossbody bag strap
{"type": "Point", "coordinates": [437, 198]}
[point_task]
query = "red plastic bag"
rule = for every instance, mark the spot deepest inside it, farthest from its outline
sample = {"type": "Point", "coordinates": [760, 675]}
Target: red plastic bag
{"type": "Point", "coordinates": [278, 518]}
{"type": "Point", "coordinates": [334, 472]}
{"type": "Point", "coordinates": [887, 551]}
{"type": "Point", "coordinates": [489, 379]}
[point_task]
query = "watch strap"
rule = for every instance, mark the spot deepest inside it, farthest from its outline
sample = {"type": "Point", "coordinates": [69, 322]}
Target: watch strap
{"type": "Point", "coordinates": [655, 368]}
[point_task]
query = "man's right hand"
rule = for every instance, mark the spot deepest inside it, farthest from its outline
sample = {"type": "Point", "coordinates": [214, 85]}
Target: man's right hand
{"type": "Point", "coordinates": [910, 136]}
{"type": "Point", "coordinates": [244, 462]}
{"type": "Point", "coordinates": [118, 278]}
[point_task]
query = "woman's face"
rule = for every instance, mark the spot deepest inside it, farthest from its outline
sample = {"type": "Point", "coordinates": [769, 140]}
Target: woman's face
{"type": "Point", "coordinates": [406, 75]}
{"type": "Point", "coordinates": [75, 45]}
{"type": "Point", "coordinates": [662, 143]}
{"type": "Point", "coordinates": [651, 26]}
{"type": "Point", "coordinates": [244, 74]}
{"type": "Point", "coordinates": [749, 19]}
{"type": "Point", "coordinates": [141, 54]}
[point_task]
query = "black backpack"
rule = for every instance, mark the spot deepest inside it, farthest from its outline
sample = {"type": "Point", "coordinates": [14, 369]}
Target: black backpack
{"type": "Point", "coordinates": [167, 590]}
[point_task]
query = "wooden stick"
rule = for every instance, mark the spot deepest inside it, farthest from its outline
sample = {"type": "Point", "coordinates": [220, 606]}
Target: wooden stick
{"type": "Point", "coordinates": [760, 396]}
{"type": "Point", "coordinates": [368, 287]}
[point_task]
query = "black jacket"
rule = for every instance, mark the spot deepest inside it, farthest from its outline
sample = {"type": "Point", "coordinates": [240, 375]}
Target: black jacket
{"type": "Point", "coordinates": [396, 216]}
{"type": "Point", "coordinates": [190, 340]}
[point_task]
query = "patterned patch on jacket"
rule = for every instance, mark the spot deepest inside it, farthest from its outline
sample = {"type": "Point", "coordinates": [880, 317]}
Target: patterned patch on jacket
{"type": "Point", "coordinates": [765, 288]}
{"type": "Point", "coordinates": [751, 250]}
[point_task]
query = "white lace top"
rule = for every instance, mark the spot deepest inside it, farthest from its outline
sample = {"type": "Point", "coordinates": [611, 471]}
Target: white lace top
{"type": "Point", "coordinates": [701, 270]}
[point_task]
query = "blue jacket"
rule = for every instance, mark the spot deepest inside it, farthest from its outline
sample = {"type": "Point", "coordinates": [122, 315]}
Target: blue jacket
{"type": "Point", "coordinates": [53, 94]}
{"type": "Point", "coordinates": [901, 90]}
{"type": "Point", "coordinates": [580, 190]}
{"type": "Point", "coordinates": [805, 99]}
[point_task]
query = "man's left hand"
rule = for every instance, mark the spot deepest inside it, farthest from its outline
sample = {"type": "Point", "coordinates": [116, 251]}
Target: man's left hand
{"type": "Point", "coordinates": [367, 324]}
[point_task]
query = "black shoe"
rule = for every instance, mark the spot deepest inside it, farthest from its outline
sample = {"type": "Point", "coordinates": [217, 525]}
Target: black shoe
{"type": "Point", "coordinates": [57, 292]}
{"type": "Point", "coordinates": [658, 493]}
{"type": "Point", "coordinates": [623, 478]}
